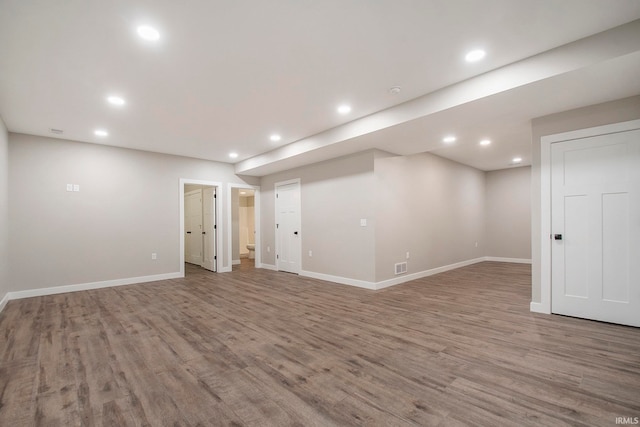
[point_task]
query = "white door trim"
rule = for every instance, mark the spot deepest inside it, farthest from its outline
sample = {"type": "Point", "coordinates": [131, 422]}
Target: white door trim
{"type": "Point", "coordinates": [275, 211]}
{"type": "Point", "coordinates": [544, 306]}
{"type": "Point", "coordinates": [218, 185]}
{"type": "Point", "coordinates": [256, 209]}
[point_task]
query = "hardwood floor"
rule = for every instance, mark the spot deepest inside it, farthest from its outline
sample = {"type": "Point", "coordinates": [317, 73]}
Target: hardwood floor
{"type": "Point", "coordinates": [257, 347]}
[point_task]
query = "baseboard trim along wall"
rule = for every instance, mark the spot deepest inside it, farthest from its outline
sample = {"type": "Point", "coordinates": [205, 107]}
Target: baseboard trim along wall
{"type": "Point", "coordinates": [86, 286]}
{"type": "Point", "coordinates": [5, 300]}
{"type": "Point", "coordinates": [513, 260]}
{"type": "Point", "coordinates": [535, 307]}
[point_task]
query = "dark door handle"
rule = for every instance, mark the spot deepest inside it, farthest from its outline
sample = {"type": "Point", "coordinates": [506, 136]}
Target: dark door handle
{"type": "Point", "coordinates": [295, 232]}
{"type": "Point", "coordinates": [557, 236]}
{"type": "Point", "coordinates": [188, 232]}
{"type": "Point", "coordinates": [204, 232]}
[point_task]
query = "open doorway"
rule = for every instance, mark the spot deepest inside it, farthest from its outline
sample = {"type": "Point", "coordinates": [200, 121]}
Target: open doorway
{"type": "Point", "coordinates": [199, 234]}
{"type": "Point", "coordinates": [244, 226]}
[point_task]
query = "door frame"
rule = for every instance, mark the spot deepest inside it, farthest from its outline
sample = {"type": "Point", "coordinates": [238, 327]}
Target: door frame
{"type": "Point", "coordinates": [219, 255]}
{"type": "Point", "coordinates": [275, 222]}
{"type": "Point", "coordinates": [256, 219]}
{"type": "Point", "coordinates": [544, 306]}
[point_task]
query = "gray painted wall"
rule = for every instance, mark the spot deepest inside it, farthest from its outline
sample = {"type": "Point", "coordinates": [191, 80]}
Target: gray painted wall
{"type": "Point", "coordinates": [127, 208]}
{"type": "Point", "coordinates": [508, 213]}
{"type": "Point", "coordinates": [596, 115]}
{"type": "Point", "coordinates": [4, 210]}
{"type": "Point", "coordinates": [428, 206]}
{"type": "Point", "coordinates": [335, 195]}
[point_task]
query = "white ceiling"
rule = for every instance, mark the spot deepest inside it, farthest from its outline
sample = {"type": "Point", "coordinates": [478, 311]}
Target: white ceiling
{"type": "Point", "coordinates": [227, 74]}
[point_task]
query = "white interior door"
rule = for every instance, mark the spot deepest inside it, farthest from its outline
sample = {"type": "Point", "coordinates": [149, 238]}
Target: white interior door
{"type": "Point", "coordinates": [193, 227]}
{"type": "Point", "coordinates": [288, 227]}
{"type": "Point", "coordinates": [209, 228]}
{"type": "Point", "coordinates": [595, 205]}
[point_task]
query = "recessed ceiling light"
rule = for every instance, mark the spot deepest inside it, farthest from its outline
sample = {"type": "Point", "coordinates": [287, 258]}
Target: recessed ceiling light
{"type": "Point", "coordinates": [101, 132]}
{"type": "Point", "coordinates": [344, 109]}
{"type": "Point", "coordinates": [115, 100]}
{"type": "Point", "coordinates": [475, 55]}
{"type": "Point", "coordinates": [449, 139]}
{"type": "Point", "coordinates": [243, 192]}
{"type": "Point", "coordinates": [395, 90]}
{"type": "Point", "coordinates": [485, 142]}
{"type": "Point", "coordinates": [275, 137]}
{"type": "Point", "coordinates": [516, 159]}
{"type": "Point", "coordinates": [233, 155]}
{"type": "Point", "coordinates": [148, 33]}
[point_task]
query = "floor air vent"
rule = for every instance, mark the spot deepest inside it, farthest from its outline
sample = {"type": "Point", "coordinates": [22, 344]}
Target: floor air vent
{"type": "Point", "coordinates": [401, 268]}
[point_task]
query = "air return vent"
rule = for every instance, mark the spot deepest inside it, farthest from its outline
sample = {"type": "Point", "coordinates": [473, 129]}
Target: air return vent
{"type": "Point", "coordinates": [401, 268]}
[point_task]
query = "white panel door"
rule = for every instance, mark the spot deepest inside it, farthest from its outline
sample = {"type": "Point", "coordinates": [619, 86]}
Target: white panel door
{"type": "Point", "coordinates": [193, 227]}
{"type": "Point", "coordinates": [288, 228]}
{"type": "Point", "coordinates": [209, 228]}
{"type": "Point", "coordinates": [595, 208]}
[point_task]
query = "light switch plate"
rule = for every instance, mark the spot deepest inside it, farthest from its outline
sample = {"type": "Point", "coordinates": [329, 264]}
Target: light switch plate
{"type": "Point", "coordinates": [76, 187]}
{"type": "Point", "coordinates": [363, 222]}
{"type": "Point", "coordinates": [69, 187]}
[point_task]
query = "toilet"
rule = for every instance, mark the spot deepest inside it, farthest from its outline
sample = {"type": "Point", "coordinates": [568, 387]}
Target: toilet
{"type": "Point", "coordinates": [252, 250]}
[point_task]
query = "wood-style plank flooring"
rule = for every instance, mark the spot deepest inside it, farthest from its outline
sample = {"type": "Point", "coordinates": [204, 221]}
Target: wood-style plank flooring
{"type": "Point", "coordinates": [262, 348]}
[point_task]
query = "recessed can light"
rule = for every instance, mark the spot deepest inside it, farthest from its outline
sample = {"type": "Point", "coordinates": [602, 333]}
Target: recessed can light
{"type": "Point", "coordinates": [100, 132]}
{"type": "Point", "coordinates": [395, 90]}
{"type": "Point", "coordinates": [275, 137]}
{"type": "Point", "coordinates": [148, 33]}
{"type": "Point", "coordinates": [516, 159]}
{"type": "Point", "coordinates": [233, 155]}
{"type": "Point", "coordinates": [344, 109]}
{"type": "Point", "coordinates": [475, 55]}
{"type": "Point", "coordinates": [449, 139]}
{"type": "Point", "coordinates": [115, 100]}
{"type": "Point", "coordinates": [243, 192]}
{"type": "Point", "coordinates": [485, 142]}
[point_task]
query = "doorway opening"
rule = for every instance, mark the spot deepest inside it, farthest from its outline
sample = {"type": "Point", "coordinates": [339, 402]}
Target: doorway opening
{"type": "Point", "coordinates": [244, 218]}
{"type": "Point", "coordinates": [199, 234]}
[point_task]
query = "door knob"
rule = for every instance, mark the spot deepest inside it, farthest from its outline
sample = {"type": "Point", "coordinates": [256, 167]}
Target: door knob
{"type": "Point", "coordinates": [295, 232]}
{"type": "Point", "coordinates": [557, 236]}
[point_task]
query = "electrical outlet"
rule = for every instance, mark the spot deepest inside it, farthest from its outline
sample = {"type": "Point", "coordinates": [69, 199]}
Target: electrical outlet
{"type": "Point", "coordinates": [363, 222]}
{"type": "Point", "coordinates": [407, 254]}
{"type": "Point", "coordinates": [154, 255]}
{"type": "Point", "coordinates": [310, 253]}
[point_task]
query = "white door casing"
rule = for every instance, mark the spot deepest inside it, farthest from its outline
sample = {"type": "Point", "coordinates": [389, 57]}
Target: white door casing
{"type": "Point", "coordinates": [595, 227]}
{"type": "Point", "coordinates": [209, 228]}
{"type": "Point", "coordinates": [288, 233]}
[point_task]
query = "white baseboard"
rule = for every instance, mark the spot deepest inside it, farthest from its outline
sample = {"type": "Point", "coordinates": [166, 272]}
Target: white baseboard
{"type": "Point", "coordinates": [538, 307]}
{"type": "Point", "coordinates": [266, 266]}
{"type": "Point", "coordinates": [236, 262]}
{"type": "Point", "coordinates": [4, 301]}
{"type": "Point", "coordinates": [93, 285]}
{"type": "Point", "coordinates": [513, 260]}
{"type": "Point", "coordinates": [339, 279]}
{"type": "Point", "coordinates": [425, 273]}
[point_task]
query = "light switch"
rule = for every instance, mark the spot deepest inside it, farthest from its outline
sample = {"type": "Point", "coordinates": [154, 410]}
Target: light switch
{"type": "Point", "coordinates": [154, 255]}
{"type": "Point", "coordinates": [69, 187]}
{"type": "Point", "coordinates": [76, 187]}
{"type": "Point", "coordinates": [363, 222]}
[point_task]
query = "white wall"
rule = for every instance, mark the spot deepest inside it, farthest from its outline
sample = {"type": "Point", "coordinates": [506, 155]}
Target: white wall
{"type": "Point", "coordinates": [508, 213]}
{"type": "Point", "coordinates": [428, 206]}
{"type": "Point", "coordinates": [596, 115]}
{"type": "Point", "coordinates": [335, 195]}
{"type": "Point", "coordinates": [4, 211]}
{"type": "Point", "coordinates": [127, 208]}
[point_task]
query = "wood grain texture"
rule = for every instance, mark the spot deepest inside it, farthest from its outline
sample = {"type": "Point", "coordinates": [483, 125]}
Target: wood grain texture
{"type": "Point", "coordinates": [262, 348]}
